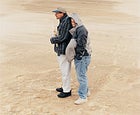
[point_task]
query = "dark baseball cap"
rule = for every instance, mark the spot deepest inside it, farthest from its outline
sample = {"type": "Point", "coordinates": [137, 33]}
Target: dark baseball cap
{"type": "Point", "coordinates": [59, 10]}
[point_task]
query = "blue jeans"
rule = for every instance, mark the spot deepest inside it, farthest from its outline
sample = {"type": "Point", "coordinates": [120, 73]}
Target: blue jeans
{"type": "Point", "coordinates": [81, 67]}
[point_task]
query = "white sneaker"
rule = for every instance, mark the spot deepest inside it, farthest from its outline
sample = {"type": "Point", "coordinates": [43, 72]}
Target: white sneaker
{"type": "Point", "coordinates": [88, 93]}
{"type": "Point", "coordinates": [80, 101]}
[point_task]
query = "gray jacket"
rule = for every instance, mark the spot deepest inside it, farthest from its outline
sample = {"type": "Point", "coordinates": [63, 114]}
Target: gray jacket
{"type": "Point", "coordinates": [80, 35]}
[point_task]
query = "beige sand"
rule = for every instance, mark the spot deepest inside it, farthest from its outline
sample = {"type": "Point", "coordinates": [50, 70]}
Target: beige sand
{"type": "Point", "coordinates": [29, 70]}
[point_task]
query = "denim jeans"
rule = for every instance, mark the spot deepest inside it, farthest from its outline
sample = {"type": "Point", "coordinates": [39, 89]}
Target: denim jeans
{"type": "Point", "coordinates": [81, 67]}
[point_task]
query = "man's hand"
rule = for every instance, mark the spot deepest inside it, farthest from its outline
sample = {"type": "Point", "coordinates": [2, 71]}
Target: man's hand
{"type": "Point", "coordinates": [52, 40]}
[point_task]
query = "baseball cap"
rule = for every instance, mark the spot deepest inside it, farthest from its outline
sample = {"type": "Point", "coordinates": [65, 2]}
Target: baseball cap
{"type": "Point", "coordinates": [59, 10]}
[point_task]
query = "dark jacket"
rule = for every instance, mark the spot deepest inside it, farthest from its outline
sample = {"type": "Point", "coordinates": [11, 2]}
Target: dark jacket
{"type": "Point", "coordinates": [61, 41]}
{"type": "Point", "coordinates": [81, 35]}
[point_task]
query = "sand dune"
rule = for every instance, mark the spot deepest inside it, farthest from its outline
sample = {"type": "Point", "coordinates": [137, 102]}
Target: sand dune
{"type": "Point", "coordinates": [29, 71]}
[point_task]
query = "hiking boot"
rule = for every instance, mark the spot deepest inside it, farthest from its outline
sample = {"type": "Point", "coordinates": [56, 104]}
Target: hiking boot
{"type": "Point", "coordinates": [59, 89]}
{"type": "Point", "coordinates": [80, 101]}
{"type": "Point", "coordinates": [63, 94]}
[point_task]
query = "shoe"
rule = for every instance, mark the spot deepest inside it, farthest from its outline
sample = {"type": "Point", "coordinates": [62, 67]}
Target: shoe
{"type": "Point", "coordinates": [59, 89]}
{"type": "Point", "coordinates": [63, 95]}
{"type": "Point", "coordinates": [80, 101]}
{"type": "Point", "coordinates": [88, 93]}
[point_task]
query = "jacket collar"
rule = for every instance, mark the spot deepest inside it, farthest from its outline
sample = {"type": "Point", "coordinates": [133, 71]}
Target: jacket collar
{"type": "Point", "coordinates": [65, 15]}
{"type": "Point", "coordinates": [74, 29]}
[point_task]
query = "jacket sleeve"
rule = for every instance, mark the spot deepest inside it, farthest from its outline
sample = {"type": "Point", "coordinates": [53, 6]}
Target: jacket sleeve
{"type": "Point", "coordinates": [70, 50]}
{"type": "Point", "coordinates": [81, 37]}
{"type": "Point", "coordinates": [65, 33]}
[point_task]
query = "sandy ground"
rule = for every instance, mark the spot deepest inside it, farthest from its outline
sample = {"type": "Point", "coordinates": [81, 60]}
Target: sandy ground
{"type": "Point", "coordinates": [29, 70]}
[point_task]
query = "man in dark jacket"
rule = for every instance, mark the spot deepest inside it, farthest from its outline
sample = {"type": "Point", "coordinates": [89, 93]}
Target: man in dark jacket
{"type": "Point", "coordinates": [60, 42]}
